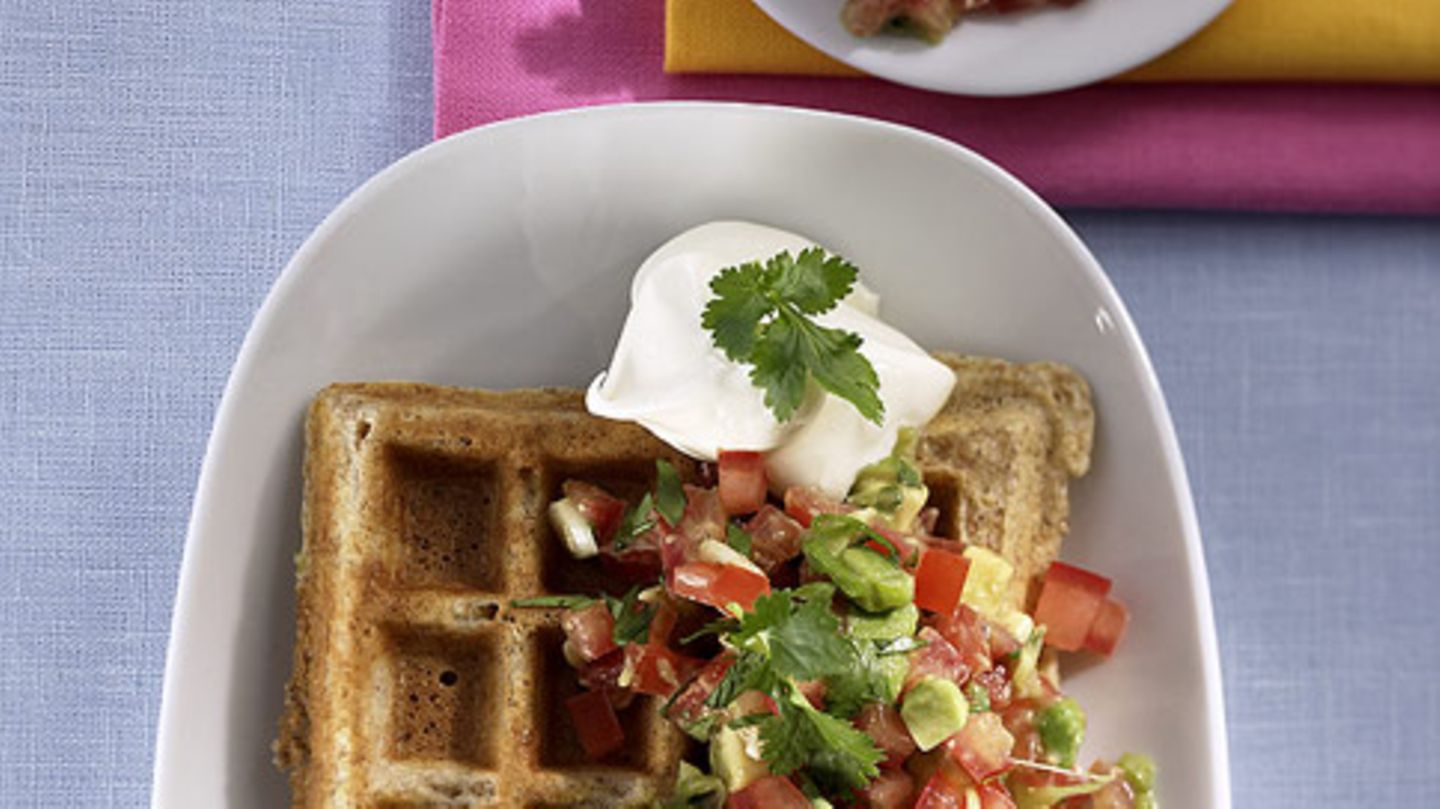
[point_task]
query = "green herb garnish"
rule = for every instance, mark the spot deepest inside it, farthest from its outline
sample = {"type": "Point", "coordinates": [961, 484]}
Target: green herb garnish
{"type": "Point", "coordinates": [762, 316]}
{"type": "Point", "coordinates": [669, 493]}
{"type": "Point", "coordinates": [636, 521]}
{"type": "Point", "coordinates": [737, 538]}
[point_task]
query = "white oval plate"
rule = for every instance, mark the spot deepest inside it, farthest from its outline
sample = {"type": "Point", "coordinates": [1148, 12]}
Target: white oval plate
{"type": "Point", "coordinates": [501, 257]}
{"type": "Point", "coordinates": [1036, 51]}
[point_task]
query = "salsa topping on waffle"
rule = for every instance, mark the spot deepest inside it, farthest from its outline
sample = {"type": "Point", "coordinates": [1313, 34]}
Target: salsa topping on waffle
{"type": "Point", "coordinates": [834, 652]}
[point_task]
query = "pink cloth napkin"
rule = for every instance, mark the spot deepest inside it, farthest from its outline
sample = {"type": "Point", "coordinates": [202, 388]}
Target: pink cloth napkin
{"type": "Point", "coordinates": [1279, 147]}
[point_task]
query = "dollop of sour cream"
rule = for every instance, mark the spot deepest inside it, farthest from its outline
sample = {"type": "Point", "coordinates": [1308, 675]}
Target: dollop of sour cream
{"type": "Point", "coordinates": [667, 375]}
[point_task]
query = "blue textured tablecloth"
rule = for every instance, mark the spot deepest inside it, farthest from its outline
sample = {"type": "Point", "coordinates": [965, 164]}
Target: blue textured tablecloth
{"type": "Point", "coordinates": [159, 161]}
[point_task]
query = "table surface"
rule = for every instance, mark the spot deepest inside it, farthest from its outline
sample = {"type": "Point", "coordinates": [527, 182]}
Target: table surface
{"type": "Point", "coordinates": [162, 160]}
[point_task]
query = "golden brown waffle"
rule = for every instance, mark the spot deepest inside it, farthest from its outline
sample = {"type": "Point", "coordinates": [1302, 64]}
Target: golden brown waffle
{"type": "Point", "coordinates": [999, 458]}
{"type": "Point", "coordinates": [416, 685]}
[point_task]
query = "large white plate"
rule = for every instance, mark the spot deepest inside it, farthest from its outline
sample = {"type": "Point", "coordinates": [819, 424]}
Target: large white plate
{"type": "Point", "coordinates": [501, 257]}
{"type": "Point", "coordinates": [1034, 51]}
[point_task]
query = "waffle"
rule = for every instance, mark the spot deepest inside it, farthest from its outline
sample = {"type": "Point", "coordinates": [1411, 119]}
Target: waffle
{"type": "Point", "coordinates": [414, 683]}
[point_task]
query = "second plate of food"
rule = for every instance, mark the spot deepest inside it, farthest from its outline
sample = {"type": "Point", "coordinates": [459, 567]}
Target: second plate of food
{"type": "Point", "coordinates": [1048, 47]}
{"type": "Point", "coordinates": [502, 258]}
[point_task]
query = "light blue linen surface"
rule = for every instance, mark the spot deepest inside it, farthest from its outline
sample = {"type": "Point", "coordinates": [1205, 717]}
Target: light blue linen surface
{"type": "Point", "coordinates": [161, 160]}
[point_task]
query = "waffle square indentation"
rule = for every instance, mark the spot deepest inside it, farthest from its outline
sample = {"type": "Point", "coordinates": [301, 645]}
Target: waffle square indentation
{"type": "Point", "coordinates": [446, 696]}
{"type": "Point", "coordinates": [450, 532]}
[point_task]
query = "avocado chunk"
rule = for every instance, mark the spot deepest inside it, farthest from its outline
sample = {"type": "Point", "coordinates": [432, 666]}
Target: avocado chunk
{"type": "Point", "coordinates": [731, 763]}
{"type": "Point", "coordinates": [1062, 730]}
{"type": "Point", "coordinates": [1139, 772]}
{"type": "Point", "coordinates": [892, 487]}
{"type": "Point", "coordinates": [883, 586]}
{"type": "Point", "coordinates": [872, 581]}
{"type": "Point", "coordinates": [897, 623]}
{"type": "Point", "coordinates": [933, 711]}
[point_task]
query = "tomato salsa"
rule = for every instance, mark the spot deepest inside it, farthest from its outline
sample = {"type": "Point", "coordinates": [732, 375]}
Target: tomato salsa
{"type": "Point", "coordinates": [833, 652]}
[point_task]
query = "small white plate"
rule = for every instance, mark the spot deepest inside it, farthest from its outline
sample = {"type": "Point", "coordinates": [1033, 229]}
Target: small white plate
{"type": "Point", "coordinates": [501, 257]}
{"type": "Point", "coordinates": [1035, 51]}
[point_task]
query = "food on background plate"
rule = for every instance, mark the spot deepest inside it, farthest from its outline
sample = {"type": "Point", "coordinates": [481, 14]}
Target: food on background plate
{"type": "Point", "coordinates": [506, 599]}
{"type": "Point", "coordinates": [929, 20]}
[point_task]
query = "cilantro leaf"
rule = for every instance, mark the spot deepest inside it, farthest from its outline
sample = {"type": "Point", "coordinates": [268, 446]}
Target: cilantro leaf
{"type": "Point", "coordinates": [733, 316]}
{"type": "Point", "coordinates": [814, 282]}
{"type": "Point", "coordinates": [808, 644]}
{"type": "Point", "coordinates": [636, 521]}
{"type": "Point", "coordinates": [872, 678]}
{"type": "Point", "coordinates": [669, 493]}
{"type": "Point", "coordinates": [632, 619]}
{"type": "Point", "coordinates": [835, 753]}
{"type": "Point", "coordinates": [737, 538]}
{"type": "Point", "coordinates": [761, 316]}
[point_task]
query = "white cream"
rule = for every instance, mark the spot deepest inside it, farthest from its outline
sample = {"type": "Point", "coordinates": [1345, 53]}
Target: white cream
{"type": "Point", "coordinates": [667, 376]}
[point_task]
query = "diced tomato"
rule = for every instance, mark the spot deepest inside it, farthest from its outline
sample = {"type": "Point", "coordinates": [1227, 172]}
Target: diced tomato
{"type": "Point", "coordinates": [937, 658]}
{"type": "Point", "coordinates": [690, 706]}
{"type": "Point", "coordinates": [590, 630]}
{"type": "Point", "coordinates": [994, 796]}
{"type": "Point", "coordinates": [894, 789]}
{"type": "Point", "coordinates": [676, 549]}
{"type": "Point", "coordinates": [968, 633]}
{"type": "Point", "coordinates": [604, 675]}
{"type": "Point", "coordinates": [1019, 721]}
{"type": "Point", "coordinates": [939, 580]}
{"type": "Point", "coordinates": [804, 502]}
{"type": "Point", "coordinates": [770, 792]}
{"type": "Point", "coordinates": [597, 506]}
{"type": "Point", "coordinates": [1070, 599]}
{"type": "Point", "coordinates": [775, 538]}
{"type": "Point", "coordinates": [906, 546]}
{"type": "Point", "coordinates": [882, 723]}
{"type": "Point", "coordinates": [1109, 627]}
{"type": "Point", "coordinates": [742, 481]}
{"type": "Point", "coordinates": [662, 623]}
{"type": "Point", "coordinates": [656, 670]}
{"type": "Point", "coordinates": [634, 565]}
{"type": "Point", "coordinates": [997, 686]}
{"type": "Point", "coordinates": [704, 516]}
{"type": "Point", "coordinates": [718, 585]}
{"type": "Point", "coordinates": [595, 724]}
{"type": "Point", "coordinates": [982, 747]}
{"type": "Point", "coordinates": [1115, 795]}
{"type": "Point", "coordinates": [945, 789]}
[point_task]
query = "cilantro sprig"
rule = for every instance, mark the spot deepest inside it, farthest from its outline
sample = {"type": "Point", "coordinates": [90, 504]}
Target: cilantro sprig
{"type": "Point", "coordinates": [789, 637]}
{"type": "Point", "coordinates": [762, 316]}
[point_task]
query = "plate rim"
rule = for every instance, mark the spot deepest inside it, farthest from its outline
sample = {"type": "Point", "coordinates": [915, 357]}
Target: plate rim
{"type": "Point", "coordinates": [187, 585]}
{"type": "Point", "coordinates": [871, 60]}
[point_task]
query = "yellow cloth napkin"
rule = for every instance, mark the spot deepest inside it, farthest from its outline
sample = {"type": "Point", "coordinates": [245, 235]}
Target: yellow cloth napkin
{"type": "Point", "coordinates": [1307, 40]}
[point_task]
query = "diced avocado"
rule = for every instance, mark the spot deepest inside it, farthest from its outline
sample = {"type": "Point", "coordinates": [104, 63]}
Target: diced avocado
{"type": "Point", "coordinates": [730, 761]}
{"type": "Point", "coordinates": [897, 623]}
{"type": "Point", "coordinates": [892, 487]}
{"type": "Point", "coordinates": [895, 668]}
{"type": "Point", "coordinates": [987, 585]}
{"type": "Point", "coordinates": [1139, 772]}
{"type": "Point", "coordinates": [933, 711]}
{"type": "Point", "coordinates": [1062, 730]}
{"type": "Point", "coordinates": [886, 586]}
